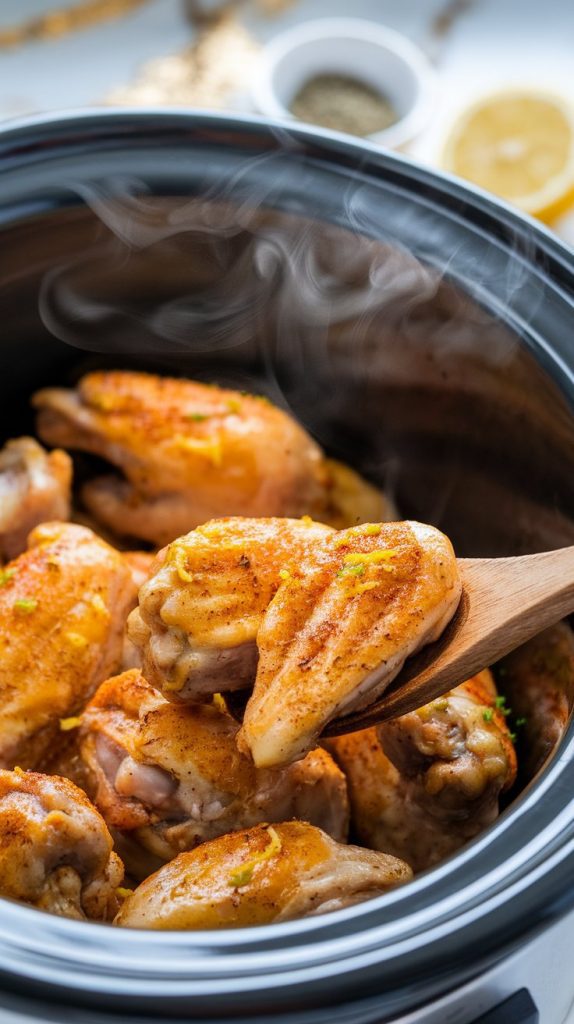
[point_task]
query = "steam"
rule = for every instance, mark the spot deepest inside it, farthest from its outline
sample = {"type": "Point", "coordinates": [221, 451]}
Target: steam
{"type": "Point", "coordinates": [323, 316]}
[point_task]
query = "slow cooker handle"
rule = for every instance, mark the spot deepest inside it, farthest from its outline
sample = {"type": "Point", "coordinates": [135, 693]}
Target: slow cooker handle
{"type": "Point", "coordinates": [519, 1009]}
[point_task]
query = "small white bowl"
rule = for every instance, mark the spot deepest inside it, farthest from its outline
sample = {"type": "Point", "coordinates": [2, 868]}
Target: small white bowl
{"type": "Point", "coordinates": [364, 50]}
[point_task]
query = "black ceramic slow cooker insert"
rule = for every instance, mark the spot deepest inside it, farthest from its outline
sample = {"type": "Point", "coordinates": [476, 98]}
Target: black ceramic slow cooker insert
{"type": "Point", "coordinates": [419, 330]}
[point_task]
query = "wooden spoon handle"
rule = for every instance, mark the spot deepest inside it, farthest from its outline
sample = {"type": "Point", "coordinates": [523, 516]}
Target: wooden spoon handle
{"type": "Point", "coordinates": [505, 602]}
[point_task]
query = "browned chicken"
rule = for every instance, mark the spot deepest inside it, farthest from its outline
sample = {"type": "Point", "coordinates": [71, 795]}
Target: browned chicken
{"type": "Point", "coordinates": [340, 628]}
{"type": "Point", "coordinates": [423, 785]}
{"type": "Point", "coordinates": [538, 680]}
{"type": "Point", "coordinates": [199, 613]}
{"type": "Point", "coordinates": [306, 612]}
{"type": "Point", "coordinates": [141, 564]}
{"type": "Point", "coordinates": [55, 850]}
{"type": "Point", "coordinates": [188, 452]}
{"type": "Point", "coordinates": [172, 777]}
{"type": "Point", "coordinates": [348, 500]}
{"type": "Point", "coordinates": [63, 605]}
{"type": "Point", "coordinates": [258, 876]}
{"type": "Point", "coordinates": [34, 487]}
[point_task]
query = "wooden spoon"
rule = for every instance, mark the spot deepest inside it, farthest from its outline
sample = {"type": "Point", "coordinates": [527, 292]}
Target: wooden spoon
{"type": "Point", "coordinates": [505, 602]}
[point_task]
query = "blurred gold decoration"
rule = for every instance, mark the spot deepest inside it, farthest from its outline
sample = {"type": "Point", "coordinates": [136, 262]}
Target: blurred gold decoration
{"type": "Point", "coordinates": [61, 22]}
{"type": "Point", "coordinates": [205, 74]}
{"type": "Point", "coordinates": [204, 12]}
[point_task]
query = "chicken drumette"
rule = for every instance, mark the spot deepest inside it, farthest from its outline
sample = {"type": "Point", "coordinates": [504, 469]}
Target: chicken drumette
{"type": "Point", "coordinates": [55, 849]}
{"type": "Point", "coordinates": [190, 452]}
{"type": "Point", "coordinates": [34, 488]}
{"type": "Point", "coordinates": [320, 621]}
{"type": "Point", "coordinates": [258, 876]}
{"type": "Point", "coordinates": [538, 680]}
{"type": "Point", "coordinates": [63, 606]}
{"type": "Point", "coordinates": [200, 611]}
{"type": "Point", "coordinates": [422, 785]}
{"type": "Point", "coordinates": [169, 778]}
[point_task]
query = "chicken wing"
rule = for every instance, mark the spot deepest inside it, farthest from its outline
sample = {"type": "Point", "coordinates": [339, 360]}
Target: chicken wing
{"type": "Point", "coordinates": [538, 680]}
{"type": "Point", "coordinates": [172, 777]}
{"type": "Point", "coordinates": [199, 613]}
{"type": "Point", "coordinates": [423, 785]}
{"type": "Point", "coordinates": [340, 628]}
{"type": "Point", "coordinates": [34, 488]}
{"type": "Point", "coordinates": [188, 452]}
{"type": "Point", "coordinates": [258, 876]}
{"type": "Point", "coordinates": [63, 606]}
{"type": "Point", "coordinates": [55, 850]}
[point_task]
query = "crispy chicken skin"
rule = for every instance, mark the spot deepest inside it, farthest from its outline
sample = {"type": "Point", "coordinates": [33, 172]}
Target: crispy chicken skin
{"type": "Point", "coordinates": [340, 629]}
{"type": "Point", "coordinates": [63, 605]}
{"type": "Point", "coordinates": [199, 613]}
{"type": "Point", "coordinates": [188, 452]}
{"type": "Point", "coordinates": [423, 785]}
{"type": "Point", "coordinates": [172, 777]}
{"type": "Point", "coordinates": [538, 681]}
{"type": "Point", "coordinates": [55, 850]}
{"type": "Point", "coordinates": [34, 487]}
{"type": "Point", "coordinates": [258, 876]}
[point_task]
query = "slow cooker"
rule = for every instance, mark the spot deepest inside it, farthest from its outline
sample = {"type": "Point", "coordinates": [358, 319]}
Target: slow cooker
{"type": "Point", "coordinates": [421, 331]}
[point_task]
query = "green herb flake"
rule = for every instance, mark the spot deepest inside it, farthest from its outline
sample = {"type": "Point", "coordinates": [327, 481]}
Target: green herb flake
{"type": "Point", "coordinates": [520, 722]}
{"type": "Point", "coordinates": [487, 714]}
{"type": "Point", "coordinates": [25, 605]}
{"type": "Point", "coordinates": [6, 575]}
{"type": "Point", "coordinates": [512, 736]}
{"type": "Point", "coordinates": [352, 570]}
{"type": "Point", "coordinates": [196, 417]}
{"type": "Point", "coordinates": [500, 701]}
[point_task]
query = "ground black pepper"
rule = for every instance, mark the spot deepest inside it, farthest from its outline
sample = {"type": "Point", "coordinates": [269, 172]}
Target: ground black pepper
{"type": "Point", "coordinates": [344, 104]}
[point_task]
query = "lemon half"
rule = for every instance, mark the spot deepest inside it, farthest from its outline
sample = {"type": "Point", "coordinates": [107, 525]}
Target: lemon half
{"type": "Point", "coordinates": [519, 145]}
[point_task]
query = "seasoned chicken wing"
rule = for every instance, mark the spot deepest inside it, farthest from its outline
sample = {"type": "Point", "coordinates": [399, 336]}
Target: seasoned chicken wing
{"type": "Point", "coordinates": [340, 628]}
{"type": "Point", "coordinates": [200, 611]}
{"type": "Point", "coordinates": [55, 850]}
{"type": "Point", "coordinates": [538, 680]}
{"type": "Point", "coordinates": [424, 784]}
{"type": "Point", "coordinates": [63, 606]}
{"type": "Point", "coordinates": [258, 876]}
{"type": "Point", "coordinates": [34, 488]}
{"type": "Point", "coordinates": [188, 452]}
{"type": "Point", "coordinates": [172, 777]}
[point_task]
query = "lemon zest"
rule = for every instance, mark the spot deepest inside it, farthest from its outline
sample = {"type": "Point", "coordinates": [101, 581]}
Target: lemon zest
{"type": "Point", "coordinates": [102, 401]}
{"type": "Point", "coordinates": [25, 605]}
{"type": "Point", "coordinates": [360, 588]}
{"type": "Point", "coordinates": [370, 557]}
{"type": "Point", "coordinates": [284, 574]}
{"type": "Point", "coordinates": [178, 556]}
{"type": "Point", "coordinates": [219, 702]}
{"type": "Point", "coordinates": [210, 447]}
{"type": "Point", "coordinates": [123, 893]}
{"type": "Point", "coordinates": [307, 520]}
{"type": "Point", "coordinates": [366, 530]}
{"type": "Point", "coordinates": [6, 575]}
{"type": "Point", "coordinates": [97, 602]}
{"type": "Point", "coordinates": [76, 639]}
{"type": "Point", "coordinates": [244, 873]}
{"type": "Point", "coordinates": [70, 723]}
{"type": "Point", "coordinates": [233, 405]}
